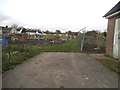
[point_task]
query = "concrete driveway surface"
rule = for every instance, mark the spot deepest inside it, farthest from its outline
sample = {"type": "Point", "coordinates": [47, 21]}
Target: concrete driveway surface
{"type": "Point", "coordinates": [60, 70]}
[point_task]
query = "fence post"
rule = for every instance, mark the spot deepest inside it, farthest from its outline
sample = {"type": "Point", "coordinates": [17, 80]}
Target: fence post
{"type": "Point", "coordinates": [79, 40]}
{"type": "Point", "coordinates": [82, 42]}
{"type": "Point", "coordinates": [9, 50]}
{"type": "Point", "coordinates": [30, 46]}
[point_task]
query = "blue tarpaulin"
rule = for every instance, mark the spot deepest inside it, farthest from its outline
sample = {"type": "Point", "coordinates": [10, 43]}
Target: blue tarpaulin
{"type": "Point", "coordinates": [45, 39]}
{"type": "Point", "coordinates": [39, 37]}
{"type": "Point", "coordinates": [4, 41]}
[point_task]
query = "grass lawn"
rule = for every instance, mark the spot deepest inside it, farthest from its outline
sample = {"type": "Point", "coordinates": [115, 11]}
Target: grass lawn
{"type": "Point", "coordinates": [16, 54]}
{"type": "Point", "coordinates": [110, 63]}
{"type": "Point", "coordinates": [69, 46]}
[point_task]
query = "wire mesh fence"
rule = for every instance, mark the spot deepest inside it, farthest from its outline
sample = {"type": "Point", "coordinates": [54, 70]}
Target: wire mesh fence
{"type": "Point", "coordinates": [92, 43]}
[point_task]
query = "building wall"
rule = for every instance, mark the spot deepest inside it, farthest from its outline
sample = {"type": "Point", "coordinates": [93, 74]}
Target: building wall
{"type": "Point", "coordinates": [119, 38]}
{"type": "Point", "coordinates": [110, 36]}
{"type": "Point", "coordinates": [115, 44]}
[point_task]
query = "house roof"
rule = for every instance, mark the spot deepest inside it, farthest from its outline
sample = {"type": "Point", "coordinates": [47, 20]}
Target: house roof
{"type": "Point", "coordinates": [5, 28]}
{"type": "Point", "coordinates": [115, 9]}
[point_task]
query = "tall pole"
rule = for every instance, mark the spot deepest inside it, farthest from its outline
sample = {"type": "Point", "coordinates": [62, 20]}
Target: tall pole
{"type": "Point", "coordinates": [82, 41]}
{"type": "Point", "coordinates": [98, 40]}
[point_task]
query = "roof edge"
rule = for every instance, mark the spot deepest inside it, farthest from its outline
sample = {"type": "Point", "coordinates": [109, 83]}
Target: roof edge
{"type": "Point", "coordinates": [112, 14]}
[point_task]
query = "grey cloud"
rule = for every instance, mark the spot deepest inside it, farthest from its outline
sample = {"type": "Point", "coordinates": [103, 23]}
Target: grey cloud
{"type": "Point", "coordinates": [4, 17]}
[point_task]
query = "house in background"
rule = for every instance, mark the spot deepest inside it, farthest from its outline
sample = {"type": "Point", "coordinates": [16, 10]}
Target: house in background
{"type": "Point", "coordinates": [18, 34]}
{"type": "Point", "coordinates": [113, 31]}
{"type": "Point", "coordinates": [5, 30]}
{"type": "Point", "coordinates": [13, 31]}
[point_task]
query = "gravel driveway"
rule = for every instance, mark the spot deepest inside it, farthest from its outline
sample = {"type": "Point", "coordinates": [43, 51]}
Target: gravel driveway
{"type": "Point", "coordinates": [60, 70]}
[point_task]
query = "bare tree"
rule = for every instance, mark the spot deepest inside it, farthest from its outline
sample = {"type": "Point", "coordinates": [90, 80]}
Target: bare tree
{"type": "Point", "coordinates": [69, 32]}
{"type": "Point", "coordinates": [58, 31]}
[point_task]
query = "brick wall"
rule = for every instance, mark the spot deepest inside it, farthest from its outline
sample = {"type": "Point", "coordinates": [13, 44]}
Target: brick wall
{"type": "Point", "coordinates": [110, 35]}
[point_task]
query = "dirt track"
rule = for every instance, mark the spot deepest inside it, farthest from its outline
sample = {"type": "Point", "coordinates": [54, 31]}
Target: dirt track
{"type": "Point", "coordinates": [56, 70]}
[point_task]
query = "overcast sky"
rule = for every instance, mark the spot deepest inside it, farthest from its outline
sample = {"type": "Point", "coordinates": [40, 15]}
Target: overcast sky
{"type": "Point", "coordinates": [56, 14]}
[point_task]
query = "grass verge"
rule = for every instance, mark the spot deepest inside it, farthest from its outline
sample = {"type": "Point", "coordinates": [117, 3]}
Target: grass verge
{"type": "Point", "coordinates": [110, 63]}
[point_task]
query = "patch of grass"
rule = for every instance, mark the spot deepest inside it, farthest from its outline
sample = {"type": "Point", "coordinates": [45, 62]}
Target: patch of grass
{"type": "Point", "coordinates": [110, 63]}
{"type": "Point", "coordinates": [69, 46]}
{"type": "Point", "coordinates": [110, 57]}
{"type": "Point", "coordinates": [11, 59]}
